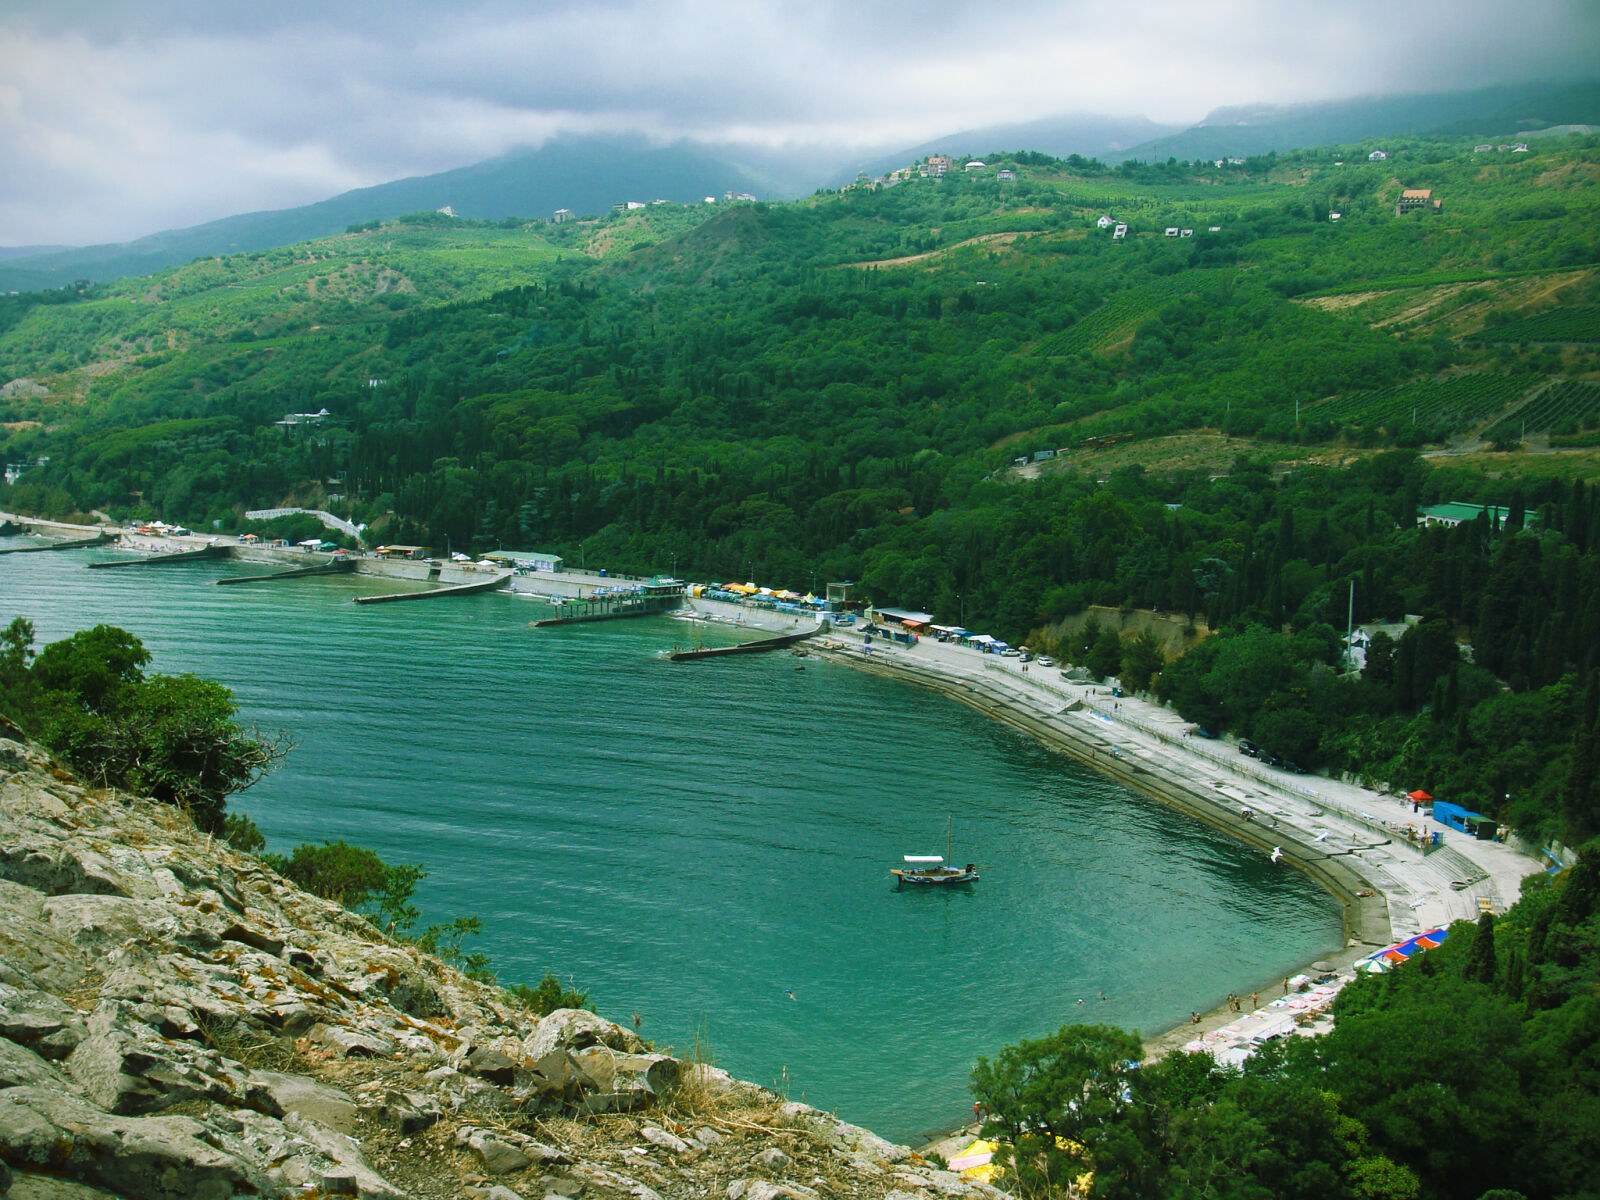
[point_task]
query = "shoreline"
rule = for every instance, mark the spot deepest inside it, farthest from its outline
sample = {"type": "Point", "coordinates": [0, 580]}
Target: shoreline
{"type": "Point", "coordinates": [1388, 889]}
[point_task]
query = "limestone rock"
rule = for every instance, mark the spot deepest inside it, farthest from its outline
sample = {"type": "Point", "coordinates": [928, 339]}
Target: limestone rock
{"type": "Point", "coordinates": [351, 1043]}
{"type": "Point", "coordinates": [667, 1141]}
{"type": "Point", "coordinates": [318, 1101]}
{"type": "Point", "coordinates": [630, 1080]}
{"type": "Point", "coordinates": [578, 1029]}
{"type": "Point", "coordinates": [346, 1152]}
{"type": "Point", "coordinates": [497, 1157]}
{"type": "Point", "coordinates": [491, 1064]}
{"type": "Point", "coordinates": [21, 1067]}
{"type": "Point", "coordinates": [129, 1074]}
{"type": "Point", "coordinates": [162, 1158]}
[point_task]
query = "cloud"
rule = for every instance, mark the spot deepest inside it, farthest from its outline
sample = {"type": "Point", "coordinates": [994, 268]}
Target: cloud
{"type": "Point", "coordinates": [118, 119]}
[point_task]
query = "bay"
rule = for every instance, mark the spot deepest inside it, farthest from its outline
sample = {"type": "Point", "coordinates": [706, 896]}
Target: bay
{"type": "Point", "coordinates": [707, 845]}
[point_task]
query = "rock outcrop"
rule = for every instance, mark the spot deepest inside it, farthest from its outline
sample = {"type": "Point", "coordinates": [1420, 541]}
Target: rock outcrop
{"type": "Point", "coordinates": [178, 1022]}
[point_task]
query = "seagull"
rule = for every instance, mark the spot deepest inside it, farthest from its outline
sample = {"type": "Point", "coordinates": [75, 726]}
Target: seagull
{"type": "Point", "coordinates": [1277, 853]}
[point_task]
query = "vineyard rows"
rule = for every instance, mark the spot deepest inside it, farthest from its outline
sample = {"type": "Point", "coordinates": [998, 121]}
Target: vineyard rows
{"type": "Point", "coordinates": [1114, 316]}
{"type": "Point", "coordinates": [1564, 407]}
{"type": "Point", "coordinates": [1579, 324]}
{"type": "Point", "coordinates": [1438, 408]}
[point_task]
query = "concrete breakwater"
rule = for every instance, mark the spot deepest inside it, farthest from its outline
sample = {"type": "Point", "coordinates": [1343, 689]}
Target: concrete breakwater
{"type": "Point", "coordinates": [177, 1021]}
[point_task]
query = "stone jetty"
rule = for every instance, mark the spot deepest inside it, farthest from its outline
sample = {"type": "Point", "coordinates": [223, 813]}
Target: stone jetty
{"type": "Point", "coordinates": [178, 1022]}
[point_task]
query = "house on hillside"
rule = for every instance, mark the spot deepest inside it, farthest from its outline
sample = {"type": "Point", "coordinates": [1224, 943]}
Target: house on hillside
{"type": "Point", "coordinates": [1006, 175]}
{"type": "Point", "coordinates": [1172, 231]}
{"type": "Point", "coordinates": [938, 164]}
{"type": "Point", "coordinates": [1121, 231]}
{"type": "Point", "coordinates": [560, 215]}
{"type": "Point", "coordinates": [1106, 222]}
{"type": "Point", "coordinates": [1418, 200]}
{"type": "Point", "coordinates": [1378, 156]}
{"type": "Point", "coordinates": [976, 165]}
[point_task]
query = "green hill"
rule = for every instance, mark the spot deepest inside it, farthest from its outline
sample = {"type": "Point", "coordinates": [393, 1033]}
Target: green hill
{"type": "Point", "coordinates": [586, 176]}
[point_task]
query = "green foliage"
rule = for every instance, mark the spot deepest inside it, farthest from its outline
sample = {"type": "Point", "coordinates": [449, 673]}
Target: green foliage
{"type": "Point", "coordinates": [356, 878]}
{"type": "Point", "coordinates": [1468, 1071]}
{"type": "Point", "coordinates": [172, 737]}
{"type": "Point", "coordinates": [1055, 1099]}
{"type": "Point", "coordinates": [548, 996]}
{"type": "Point", "coordinates": [240, 832]}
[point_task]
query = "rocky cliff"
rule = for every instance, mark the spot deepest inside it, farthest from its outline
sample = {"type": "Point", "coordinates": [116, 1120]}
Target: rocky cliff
{"type": "Point", "coordinates": [178, 1022]}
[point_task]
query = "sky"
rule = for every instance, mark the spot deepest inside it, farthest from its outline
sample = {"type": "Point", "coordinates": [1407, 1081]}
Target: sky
{"type": "Point", "coordinates": [120, 118]}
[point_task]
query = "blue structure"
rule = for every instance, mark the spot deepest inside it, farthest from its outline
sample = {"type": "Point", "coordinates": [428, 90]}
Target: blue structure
{"type": "Point", "coordinates": [1465, 820]}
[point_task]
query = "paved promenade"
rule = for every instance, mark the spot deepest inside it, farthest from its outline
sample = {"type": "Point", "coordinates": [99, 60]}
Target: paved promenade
{"type": "Point", "coordinates": [1312, 818]}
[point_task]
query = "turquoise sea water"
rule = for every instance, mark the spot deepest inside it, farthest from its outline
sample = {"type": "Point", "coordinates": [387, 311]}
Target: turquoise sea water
{"type": "Point", "coordinates": [693, 842]}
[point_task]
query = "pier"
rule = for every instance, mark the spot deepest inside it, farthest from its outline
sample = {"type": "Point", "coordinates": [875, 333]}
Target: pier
{"type": "Point", "coordinates": [99, 539]}
{"type": "Point", "coordinates": [455, 589]}
{"type": "Point", "coordinates": [156, 560]}
{"type": "Point", "coordinates": [609, 608]}
{"type": "Point", "coordinates": [760, 646]}
{"type": "Point", "coordinates": [610, 602]}
{"type": "Point", "coordinates": [336, 567]}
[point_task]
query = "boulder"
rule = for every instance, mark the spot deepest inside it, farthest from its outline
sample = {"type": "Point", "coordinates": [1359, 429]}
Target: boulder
{"type": "Point", "coordinates": [488, 1063]}
{"type": "Point", "coordinates": [350, 1043]}
{"type": "Point", "coordinates": [157, 1158]}
{"type": "Point", "coordinates": [645, 1075]}
{"type": "Point", "coordinates": [125, 1068]}
{"type": "Point", "coordinates": [497, 1157]}
{"type": "Point", "coordinates": [578, 1029]}
{"type": "Point", "coordinates": [308, 1098]}
{"type": "Point", "coordinates": [21, 1067]}
{"type": "Point", "coordinates": [404, 1112]}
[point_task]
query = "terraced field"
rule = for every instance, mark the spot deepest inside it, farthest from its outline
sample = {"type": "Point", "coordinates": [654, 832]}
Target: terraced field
{"type": "Point", "coordinates": [1435, 408]}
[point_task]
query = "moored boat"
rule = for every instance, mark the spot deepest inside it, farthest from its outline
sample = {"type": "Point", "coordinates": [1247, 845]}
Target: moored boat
{"type": "Point", "coordinates": [932, 869]}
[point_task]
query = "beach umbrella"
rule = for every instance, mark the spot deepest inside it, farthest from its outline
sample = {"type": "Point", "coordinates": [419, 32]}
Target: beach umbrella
{"type": "Point", "coordinates": [1419, 796]}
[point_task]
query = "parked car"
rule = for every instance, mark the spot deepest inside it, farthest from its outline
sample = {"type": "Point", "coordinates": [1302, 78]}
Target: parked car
{"type": "Point", "coordinates": [1046, 661]}
{"type": "Point", "coordinates": [1008, 652]}
{"type": "Point", "coordinates": [1026, 657]}
{"type": "Point", "coordinates": [1248, 747]}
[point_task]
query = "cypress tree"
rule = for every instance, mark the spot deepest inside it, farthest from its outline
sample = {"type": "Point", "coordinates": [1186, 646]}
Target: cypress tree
{"type": "Point", "coordinates": [1480, 964]}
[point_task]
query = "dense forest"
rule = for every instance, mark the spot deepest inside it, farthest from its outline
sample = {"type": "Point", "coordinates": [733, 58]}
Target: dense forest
{"type": "Point", "coordinates": [1468, 1072]}
{"type": "Point", "coordinates": [972, 396]}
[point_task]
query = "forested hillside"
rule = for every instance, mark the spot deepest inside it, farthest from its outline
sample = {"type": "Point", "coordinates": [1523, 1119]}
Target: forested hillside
{"type": "Point", "coordinates": [1249, 400]}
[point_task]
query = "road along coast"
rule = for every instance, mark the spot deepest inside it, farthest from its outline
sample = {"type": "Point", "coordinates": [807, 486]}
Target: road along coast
{"type": "Point", "coordinates": [1350, 840]}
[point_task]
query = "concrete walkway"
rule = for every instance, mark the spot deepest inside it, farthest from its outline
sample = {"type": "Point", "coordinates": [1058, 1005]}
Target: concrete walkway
{"type": "Point", "coordinates": [1311, 817]}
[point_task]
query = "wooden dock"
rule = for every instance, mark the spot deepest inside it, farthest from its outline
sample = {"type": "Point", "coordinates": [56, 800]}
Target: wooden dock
{"type": "Point", "coordinates": [158, 560]}
{"type": "Point", "coordinates": [336, 567]}
{"type": "Point", "coordinates": [455, 589]}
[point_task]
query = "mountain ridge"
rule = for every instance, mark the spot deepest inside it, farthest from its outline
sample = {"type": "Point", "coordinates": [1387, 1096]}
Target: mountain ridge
{"type": "Point", "coordinates": [588, 175]}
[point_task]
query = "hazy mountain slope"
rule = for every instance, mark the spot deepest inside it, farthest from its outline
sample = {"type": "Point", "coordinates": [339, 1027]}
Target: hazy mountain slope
{"type": "Point", "coordinates": [1089, 134]}
{"type": "Point", "coordinates": [585, 175]}
{"type": "Point", "coordinates": [1258, 129]}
